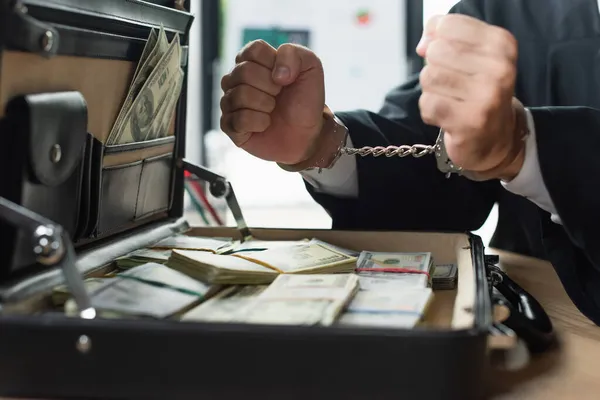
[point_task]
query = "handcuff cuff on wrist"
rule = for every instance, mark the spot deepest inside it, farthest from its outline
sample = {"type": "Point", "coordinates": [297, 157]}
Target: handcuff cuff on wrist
{"type": "Point", "coordinates": [438, 149]}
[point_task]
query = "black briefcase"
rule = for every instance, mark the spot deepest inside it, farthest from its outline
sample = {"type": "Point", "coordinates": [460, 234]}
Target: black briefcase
{"type": "Point", "coordinates": [70, 205]}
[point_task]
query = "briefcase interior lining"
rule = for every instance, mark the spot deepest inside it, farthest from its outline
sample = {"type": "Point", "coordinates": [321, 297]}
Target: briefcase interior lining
{"type": "Point", "coordinates": [461, 309]}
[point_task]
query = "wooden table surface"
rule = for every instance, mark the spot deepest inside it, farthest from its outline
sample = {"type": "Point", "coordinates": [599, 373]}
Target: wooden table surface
{"type": "Point", "coordinates": [572, 371]}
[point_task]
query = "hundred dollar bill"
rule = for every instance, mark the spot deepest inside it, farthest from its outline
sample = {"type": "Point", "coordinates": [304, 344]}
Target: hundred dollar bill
{"type": "Point", "coordinates": [150, 43]}
{"type": "Point", "coordinates": [61, 294]}
{"type": "Point", "coordinates": [401, 309]}
{"type": "Point", "coordinates": [310, 257]}
{"type": "Point", "coordinates": [148, 291]}
{"type": "Point", "coordinates": [143, 72]}
{"type": "Point", "coordinates": [142, 115]}
{"type": "Point", "coordinates": [406, 266]}
{"type": "Point", "coordinates": [160, 128]}
{"type": "Point", "coordinates": [229, 305]}
{"type": "Point", "coordinates": [220, 269]}
{"type": "Point", "coordinates": [386, 282]}
{"type": "Point", "coordinates": [186, 242]}
{"type": "Point", "coordinates": [143, 256]}
{"type": "Point", "coordinates": [254, 245]}
{"type": "Point", "coordinates": [303, 300]}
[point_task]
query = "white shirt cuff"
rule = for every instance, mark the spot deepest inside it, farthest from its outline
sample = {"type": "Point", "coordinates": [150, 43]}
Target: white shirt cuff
{"type": "Point", "coordinates": [529, 182]}
{"type": "Point", "coordinates": [341, 180]}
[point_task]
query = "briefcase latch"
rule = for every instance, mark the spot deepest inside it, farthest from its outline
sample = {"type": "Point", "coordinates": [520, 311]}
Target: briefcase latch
{"type": "Point", "coordinates": [24, 32]}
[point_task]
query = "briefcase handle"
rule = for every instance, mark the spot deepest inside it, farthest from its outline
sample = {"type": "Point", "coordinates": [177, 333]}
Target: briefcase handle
{"type": "Point", "coordinates": [527, 318]}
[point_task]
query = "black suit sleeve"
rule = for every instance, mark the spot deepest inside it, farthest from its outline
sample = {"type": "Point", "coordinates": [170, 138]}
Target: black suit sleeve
{"type": "Point", "coordinates": [404, 193]}
{"type": "Point", "coordinates": [568, 152]}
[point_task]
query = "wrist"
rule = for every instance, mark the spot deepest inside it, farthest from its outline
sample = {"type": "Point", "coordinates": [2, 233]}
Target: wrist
{"type": "Point", "coordinates": [517, 155]}
{"type": "Point", "coordinates": [512, 163]}
{"type": "Point", "coordinates": [326, 148]}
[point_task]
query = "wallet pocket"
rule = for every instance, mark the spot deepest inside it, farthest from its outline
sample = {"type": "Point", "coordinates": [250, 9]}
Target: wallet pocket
{"type": "Point", "coordinates": [154, 195]}
{"type": "Point", "coordinates": [135, 183]}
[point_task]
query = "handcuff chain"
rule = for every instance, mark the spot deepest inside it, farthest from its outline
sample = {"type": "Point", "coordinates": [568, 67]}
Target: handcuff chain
{"type": "Point", "coordinates": [416, 150]}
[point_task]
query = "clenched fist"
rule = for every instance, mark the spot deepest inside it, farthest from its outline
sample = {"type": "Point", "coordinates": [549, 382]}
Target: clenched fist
{"type": "Point", "coordinates": [273, 102]}
{"type": "Point", "coordinates": [467, 90]}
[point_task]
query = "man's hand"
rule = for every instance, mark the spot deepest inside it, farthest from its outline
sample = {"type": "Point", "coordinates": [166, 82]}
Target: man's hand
{"type": "Point", "coordinates": [467, 90]}
{"type": "Point", "coordinates": [273, 102]}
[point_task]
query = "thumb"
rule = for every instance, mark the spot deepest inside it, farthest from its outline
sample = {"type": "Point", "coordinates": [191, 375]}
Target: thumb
{"type": "Point", "coordinates": [292, 60]}
{"type": "Point", "coordinates": [428, 34]}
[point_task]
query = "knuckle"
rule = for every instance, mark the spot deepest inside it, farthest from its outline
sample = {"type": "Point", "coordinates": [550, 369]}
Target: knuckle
{"type": "Point", "coordinates": [225, 125]}
{"type": "Point", "coordinates": [251, 51]}
{"type": "Point", "coordinates": [223, 103]}
{"type": "Point", "coordinates": [427, 106]}
{"type": "Point", "coordinates": [242, 72]}
{"type": "Point", "coordinates": [505, 40]}
{"type": "Point", "coordinates": [446, 23]}
{"type": "Point", "coordinates": [225, 82]}
{"type": "Point", "coordinates": [255, 49]}
{"type": "Point", "coordinates": [239, 121]}
{"type": "Point", "coordinates": [436, 50]}
{"type": "Point", "coordinates": [433, 76]}
{"type": "Point", "coordinates": [262, 123]}
{"type": "Point", "coordinates": [269, 103]}
{"type": "Point", "coordinates": [426, 77]}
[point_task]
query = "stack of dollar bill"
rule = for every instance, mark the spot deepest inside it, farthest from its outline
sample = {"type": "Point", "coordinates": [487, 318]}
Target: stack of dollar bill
{"type": "Point", "coordinates": [148, 109]}
{"type": "Point", "coordinates": [200, 243]}
{"type": "Point", "coordinates": [444, 277]}
{"type": "Point", "coordinates": [388, 271]}
{"type": "Point", "coordinates": [387, 309]}
{"type": "Point", "coordinates": [261, 266]}
{"type": "Point", "coordinates": [147, 291]}
{"type": "Point", "coordinates": [143, 256]}
{"type": "Point", "coordinates": [289, 300]}
{"type": "Point", "coordinates": [226, 306]}
{"type": "Point", "coordinates": [61, 294]}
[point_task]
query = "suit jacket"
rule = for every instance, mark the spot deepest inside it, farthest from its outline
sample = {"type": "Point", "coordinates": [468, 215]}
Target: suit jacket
{"type": "Point", "coordinates": [559, 80]}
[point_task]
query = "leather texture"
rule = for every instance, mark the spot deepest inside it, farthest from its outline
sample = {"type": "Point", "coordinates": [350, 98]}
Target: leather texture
{"type": "Point", "coordinates": [47, 136]}
{"type": "Point", "coordinates": [118, 200]}
{"type": "Point", "coordinates": [58, 131]}
{"type": "Point", "coordinates": [28, 33]}
{"type": "Point", "coordinates": [134, 190]}
{"type": "Point", "coordinates": [155, 186]}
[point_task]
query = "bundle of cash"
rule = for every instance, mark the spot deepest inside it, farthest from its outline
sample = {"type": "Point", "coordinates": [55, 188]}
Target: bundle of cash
{"type": "Point", "coordinates": [61, 294]}
{"type": "Point", "coordinates": [444, 277]}
{"type": "Point", "coordinates": [220, 269]}
{"type": "Point", "coordinates": [261, 267]}
{"type": "Point", "coordinates": [143, 256]}
{"type": "Point", "coordinates": [399, 309]}
{"type": "Point", "coordinates": [380, 270]}
{"type": "Point", "coordinates": [229, 305]}
{"type": "Point", "coordinates": [255, 245]}
{"type": "Point", "coordinates": [147, 291]}
{"type": "Point", "coordinates": [185, 242]}
{"type": "Point", "coordinates": [307, 258]}
{"type": "Point", "coordinates": [289, 300]}
{"type": "Point", "coordinates": [148, 108]}
{"type": "Point", "coordinates": [303, 300]}
{"type": "Point", "coordinates": [342, 250]}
